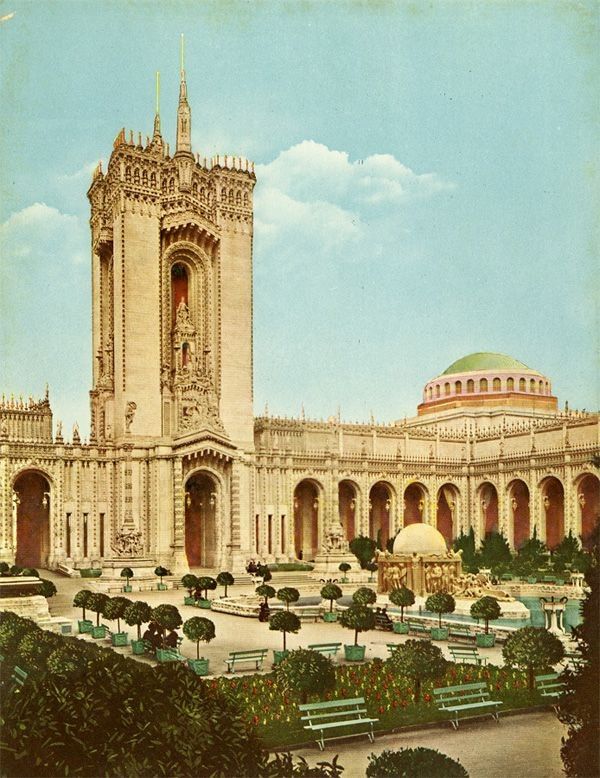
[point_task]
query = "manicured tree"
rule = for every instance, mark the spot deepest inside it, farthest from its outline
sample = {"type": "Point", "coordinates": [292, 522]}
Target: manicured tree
{"type": "Point", "coordinates": [306, 672]}
{"type": "Point", "coordinates": [48, 589]}
{"type": "Point", "coordinates": [35, 647]}
{"type": "Point", "coordinates": [343, 568]}
{"type": "Point", "coordinates": [288, 594]}
{"type": "Point", "coordinates": [580, 705]}
{"type": "Point", "coordinates": [569, 554]}
{"type": "Point", "coordinates": [190, 582]}
{"type": "Point", "coordinates": [264, 573]}
{"type": "Point", "coordinates": [198, 628]}
{"type": "Point", "coordinates": [372, 567]}
{"type": "Point", "coordinates": [413, 762]}
{"type": "Point", "coordinates": [331, 592]}
{"type": "Point", "coordinates": [402, 597]}
{"type": "Point", "coordinates": [530, 556]}
{"type": "Point", "coordinates": [225, 579]}
{"type": "Point", "coordinates": [266, 591]}
{"type": "Point", "coordinates": [127, 573]}
{"type": "Point", "coordinates": [466, 544]}
{"type": "Point", "coordinates": [4, 568]}
{"type": "Point", "coordinates": [16, 570]}
{"type": "Point", "coordinates": [96, 603]}
{"type": "Point", "coordinates": [136, 614]}
{"type": "Point", "coordinates": [285, 622]}
{"type": "Point", "coordinates": [439, 603]}
{"type": "Point", "coordinates": [161, 572]}
{"type": "Point", "coordinates": [531, 649]}
{"type": "Point", "coordinates": [82, 600]}
{"type": "Point", "coordinates": [167, 617]}
{"type": "Point", "coordinates": [359, 618]}
{"type": "Point", "coordinates": [115, 609]}
{"type": "Point", "coordinates": [205, 582]}
{"type": "Point", "coordinates": [495, 551]}
{"type": "Point", "coordinates": [364, 596]}
{"type": "Point", "coordinates": [363, 549]}
{"type": "Point", "coordinates": [417, 660]}
{"type": "Point", "coordinates": [488, 609]}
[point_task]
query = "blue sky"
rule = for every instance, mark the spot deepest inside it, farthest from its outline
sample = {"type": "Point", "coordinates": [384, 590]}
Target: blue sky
{"type": "Point", "coordinates": [427, 185]}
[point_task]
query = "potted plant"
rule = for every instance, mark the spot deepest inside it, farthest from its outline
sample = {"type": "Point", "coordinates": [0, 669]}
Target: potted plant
{"type": "Point", "coordinates": [285, 622]}
{"type": "Point", "coordinates": [287, 595]}
{"type": "Point", "coordinates": [115, 608]}
{"type": "Point", "coordinates": [364, 596]}
{"type": "Point", "coordinates": [205, 583]}
{"type": "Point", "coordinates": [440, 602]}
{"type": "Point", "coordinates": [402, 597]}
{"type": "Point", "coordinates": [168, 618]}
{"type": "Point", "coordinates": [189, 582]}
{"type": "Point", "coordinates": [486, 608]}
{"type": "Point", "coordinates": [136, 614]}
{"type": "Point", "coordinates": [197, 629]}
{"type": "Point", "coordinates": [90, 572]}
{"type": "Point", "coordinates": [331, 592]}
{"type": "Point", "coordinates": [96, 603]}
{"type": "Point", "coordinates": [343, 568]}
{"type": "Point", "coordinates": [306, 672]}
{"type": "Point", "coordinates": [48, 589]}
{"type": "Point", "coordinates": [127, 573]}
{"type": "Point", "coordinates": [372, 567]}
{"type": "Point", "coordinates": [161, 572]}
{"type": "Point", "coordinates": [225, 579]}
{"type": "Point", "coordinates": [81, 600]}
{"type": "Point", "coordinates": [360, 619]}
{"type": "Point", "coordinates": [266, 591]}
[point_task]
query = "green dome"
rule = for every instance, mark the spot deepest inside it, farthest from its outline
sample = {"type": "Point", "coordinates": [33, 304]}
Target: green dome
{"type": "Point", "coordinates": [484, 360]}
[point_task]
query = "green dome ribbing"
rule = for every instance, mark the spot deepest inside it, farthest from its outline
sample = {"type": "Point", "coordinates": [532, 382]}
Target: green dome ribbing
{"type": "Point", "coordinates": [484, 360]}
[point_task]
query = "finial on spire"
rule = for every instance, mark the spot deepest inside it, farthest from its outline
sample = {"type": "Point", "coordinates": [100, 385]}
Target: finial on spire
{"type": "Point", "coordinates": [184, 115]}
{"type": "Point", "coordinates": [181, 57]}
{"type": "Point", "coordinates": [157, 112]}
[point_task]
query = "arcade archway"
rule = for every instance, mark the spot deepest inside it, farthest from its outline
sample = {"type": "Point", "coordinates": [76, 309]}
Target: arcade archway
{"type": "Point", "coordinates": [380, 507]}
{"type": "Point", "coordinates": [201, 498]}
{"type": "Point", "coordinates": [415, 497]}
{"type": "Point", "coordinates": [447, 503]}
{"type": "Point", "coordinates": [553, 500]}
{"type": "Point", "coordinates": [347, 506]}
{"type": "Point", "coordinates": [306, 519]}
{"type": "Point", "coordinates": [488, 500]}
{"type": "Point", "coordinates": [588, 498]}
{"type": "Point", "coordinates": [518, 495]}
{"type": "Point", "coordinates": [31, 495]}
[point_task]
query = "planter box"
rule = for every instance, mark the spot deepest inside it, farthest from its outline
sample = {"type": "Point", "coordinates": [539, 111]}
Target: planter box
{"type": "Point", "coordinates": [330, 616]}
{"type": "Point", "coordinates": [485, 641]}
{"type": "Point", "coordinates": [401, 628]}
{"type": "Point", "coordinates": [99, 632]}
{"type": "Point", "coordinates": [165, 655]}
{"type": "Point", "coordinates": [203, 603]}
{"type": "Point", "coordinates": [532, 579]}
{"type": "Point", "coordinates": [90, 572]}
{"type": "Point", "coordinates": [199, 666]}
{"type": "Point", "coordinates": [127, 588]}
{"type": "Point", "coordinates": [355, 653]}
{"type": "Point", "coordinates": [84, 626]}
{"type": "Point", "coordinates": [138, 647]}
{"type": "Point", "coordinates": [119, 638]}
{"type": "Point", "coordinates": [279, 656]}
{"type": "Point", "coordinates": [162, 587]}
{"type": "Point", "coordinates": [189, 601]}
{"type": "Point", "coordinates": [439, 633]}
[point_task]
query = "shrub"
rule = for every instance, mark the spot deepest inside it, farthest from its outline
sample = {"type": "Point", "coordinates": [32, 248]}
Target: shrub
{"type": "Point", "coordinates": [283, 766]}
{"type": "Point", "coordinates": [198, 628]}
{"type": "Point", "coordinates": [372, 567]}
{"type": "Point", "coordinates": [466, 544]}
{"type": "Point", "coordinates": [288, 594]}
{"type": "Point", "coordinates": [4, 568]}
{"type": "Point", "coordinates": [402, 597]}
{"type": "Point", "coordinates": [167, 617]}
{"type": "Point", "coordinates": [161, 572]}
{"type": "Point", "coordinates": [363, 549]}
{"type": "Point", "coordinates": [331, 592]}
{"type": "Point", "coordinates": [96, 603]}
{"type": "Point", "coordinates": [531, 649]}
{"type": "Point", "coordinates": [495, 551]}
{"type": "Point", "coordinates": [285, 622]}
{"type": "Point", "coordinates": [189, 582]}
{"type": "Point", "coordinates": [364, 596]}
{"type": "Point", "coordinates": [439, 603]}
{"type": "Point", "coordinates": [82, 600]}
{"type": "Point", "coordinates": [205, 583]}
{"type": "Point", "coordinates": [115, 608]}
{"type": "Point", "coordinates": [136, 614]}
{"type": "Point", "coordinates": [306, 672]}
{"type": "Point", "coordinates": [225, 579]}
{"type": "Point", "coordinates": [34, 648]}
{"type": "Point", "coordinates": [30, 572]}
{"type": "Point", "coordinates": [48, 589]}
{"type": "Point", "coordinates": [486, 608]}
{"type": "Point", "coordinates": [16, 570]}
{"type": "Point", "coordinates": [266, 591]}
{"type": "Point", "coordinates": [127, 573]}
{"type": "Point", "coordinates": [414, 763]}
{"type": "Point", "coordinates": [359, 618]}
{"type": "Point", "coordinates": [417, 660]}
{"type": "Point", "coordinates": [344, 567]}
{"type": "Point", "coordinates": [12, 630]}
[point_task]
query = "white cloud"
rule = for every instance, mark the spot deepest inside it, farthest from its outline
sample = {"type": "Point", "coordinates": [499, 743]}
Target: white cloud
{"type": "Point", "coordinates": [84, 173]}
{"type": "Point", "coordinates": [41, 231]}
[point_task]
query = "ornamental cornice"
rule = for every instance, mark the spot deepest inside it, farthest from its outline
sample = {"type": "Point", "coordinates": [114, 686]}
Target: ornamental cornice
{"type": "Point", "coordinates": [189, 218]}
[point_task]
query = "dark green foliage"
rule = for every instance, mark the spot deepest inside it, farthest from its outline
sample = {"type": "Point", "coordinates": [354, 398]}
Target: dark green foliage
{"type": "Point", "coordinates": [189, 582]}
{"type": "Point", "coordinates": [389, 546]}
{"type": "Point", "coordinates": [225, 579]}
{"type": "Point", "coordinates": [12, 630]}
{"type": "Point", "coordinates": [283, 766]}
{"type": "Point", "coordinates": [402, 597]}
{"type": "Point", "coordinates": [4, 568]}
{"type": "Point", "coordinates": [531, 649]}
{"type": "Point", "coordinates": [30, 572]}
{"type": "Point", "coordinates": [264, 573]}
{"type": "Point", "coordinates": [414, 763]}
{"type": "Point", "coordinates": [331, 592]}
{"type": "Point", "coordinates": [495, 553]}
{"type": "Point", "coordinates": [167, 617]}
{"type": "Point", "coordinates": [363, 549]}
{"type": "Point", "coordinates": [285, 622]}
{"type": "Point", "coordinates": [532, 555]}
{"type": "Point", "coordinates": [440, 602]}
{"type": "Point", "coordinates": [486, 608]}
{"type": "Point", "coordinates": [198, 628]}
{"type": "Point", "coordinates": [359, 618]}
{"type": "Point", "coordinates": [16, 570]}
{"type": "Point", "coordinates": [127, 573]}
{"type": "Point", "coordinates": [96, 602]}
{"type": "Point", "coordinates": [161, 572]}
{"type": "Point", "coordinates": [417, 660]}
{"type": "Point", "coordinates": [266, 591]}
{"type": "Point", "coordinates": [344, 567]}
{"type": "Point", "coordinates": [205, 582]}
{"type": "Point", "coordinates": [47, 589]}
{"type": "Point", "coordinates": [569, 554]}
{"type": "Point", "coordinates": [136, 614]}
{"type": "Point", "coordinates": [364, 596]}
{"type": "Point", "coordinates": [372, 567]}
{"type": "Point", "coordinates": [580, 706]}
{"type": "Point", "coordinates": [466, 544]}
{"type": "Point", "coordinates": [115, 608]}
{"type": "Point", "coordinates": [288, 594]}
{"type": "Point", "coordinates": [82, 599]}
{"type": "Point", "coordinates": [306, 672]}
{"type": "Point", "coordinates": [34, 648]}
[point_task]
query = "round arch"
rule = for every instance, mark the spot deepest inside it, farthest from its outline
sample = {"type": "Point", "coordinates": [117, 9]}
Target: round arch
{"type": "Point", "coordinates": [203, 489]}
{"type": "Point", "coordinates": [32, 495]}
{"type": "Point", "coordinates": [348, 506]}
{"type": "Point", "coordinates": [488, 500]}
{"type": "Point", "coordinates": [447, 505]}
{"type": "Point", "coordinates": [307, 503]}
{"type": "Point", "coordinates": [588, 499]}
{"type": "Point", "coordinates": [553, 502]}
{"type": "Point", "coordinates": [520, 517]}
{"type": "Point", "coordinates": [415, 500]}
{"type": "Point", "coordinates": [381, 500]}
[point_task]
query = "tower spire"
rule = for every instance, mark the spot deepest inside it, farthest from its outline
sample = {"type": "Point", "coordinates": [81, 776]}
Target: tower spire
{"type": "Point", "coordinates": [184, 115]}
{"type": "Point", "coordinates": [157, 111]}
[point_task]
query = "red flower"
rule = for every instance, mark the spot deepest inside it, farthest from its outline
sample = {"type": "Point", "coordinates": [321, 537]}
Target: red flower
{"type": "Point", "coordinates": [427, 697]}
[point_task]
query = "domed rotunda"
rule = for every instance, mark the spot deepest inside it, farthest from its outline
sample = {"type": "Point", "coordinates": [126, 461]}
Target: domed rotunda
{"type": "Point", "coordinates": [419, 539]}
{"type": "Point", "coordinates": [486, 379]}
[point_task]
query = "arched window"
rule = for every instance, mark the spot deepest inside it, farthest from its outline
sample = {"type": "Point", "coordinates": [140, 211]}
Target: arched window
{"type": "Point", "coordinates": [231, 196]}
{"type": "Point", "coordinates": [437, 390]}
{"type": "Point", "coordinates": [510, 384]}
{"type": "Point", "coordinates": [483, 385]}
{"type": "Point", "coordinates": [447, 388]}
{"type": "Point", "coordinates": [163, 185]}
{"type": "Point", "coordinates": [144, 178]}
{"type": "Point", "coordinates": [171, 186]}
{"type": "Point", "coordinates": [541, 387]}
{"type": "Point", "coordinates": [470, 386]}
{"type": "Point", "coordinates": [531, 385]}
{"type": "Point", "coordinates": [185, 354]}
{"type": "Point", "coordinates": [430, 393]}
{"type": "Point", "coordinates": [136, 176]}
{"type": "Point", "coordinates": [521, 384]}
{"type": "Point", "coordinates": [223, 195]}
{"type": "Point", "coordinates": [246, 199]}
{"type": "Point", "coordinates": [127, 173]}
{"type": "Point", "coordinates": [152, 179]}
{"type": "Point", "coordinates": [238, 198]}
{"type": "Point", "coordinates": [458, 387]}
{"type": "Point", "coordinates": [497, 385]}
{"type": "Point", "coordinates": [202, 194]}
{"type": "Point", "coordinates": [547, 388]}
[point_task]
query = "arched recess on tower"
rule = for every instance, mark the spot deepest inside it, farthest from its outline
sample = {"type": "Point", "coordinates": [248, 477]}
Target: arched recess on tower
{"type": "Point", "coordinates": [553, 502]}
{"type": "Point", "coordinates": [32, 499]}
{"type": "Point", "coordinates": [202, 493]}
{"type": "Point", "coordinates": [307, 504]}
{"type": "Point", "coordinates": [348, 507]}
{"type": "Point", "coordinates": [381, 498]}
{"type": "Point", "coordinates": [447, 509]}
{"type": "Point", "coordinates": [487, 495]}
{"type": "Point", "coordinates": [520, 518]}
{"type": "Point", "coordinates": [415, 502]}
{"type": "Point", "coordinates": [588, 503]}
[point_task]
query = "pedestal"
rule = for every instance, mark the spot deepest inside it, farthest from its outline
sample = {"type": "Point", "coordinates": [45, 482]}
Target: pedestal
{"type": "Point", "coordinates": [330, 562]}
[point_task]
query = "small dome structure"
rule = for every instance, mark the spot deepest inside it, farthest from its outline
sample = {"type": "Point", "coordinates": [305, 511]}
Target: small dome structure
{"type": "Point", "coordinates": [419, 539]}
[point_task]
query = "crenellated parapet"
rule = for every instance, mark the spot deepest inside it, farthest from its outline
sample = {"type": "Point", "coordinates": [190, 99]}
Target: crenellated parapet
{"type": "Point", "coordinates": [26, 420]}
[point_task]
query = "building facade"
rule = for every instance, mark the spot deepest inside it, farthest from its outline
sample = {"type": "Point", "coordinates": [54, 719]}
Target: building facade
{"type": "Point", "coordinates": [177, 470]}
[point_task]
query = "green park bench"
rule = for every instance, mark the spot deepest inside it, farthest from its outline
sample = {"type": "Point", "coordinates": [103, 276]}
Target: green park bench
{"type": "Point", "coordinates": [548, 579]}
{"type": "Point", "coordinates": [506, 577]}
{"type": "Point", "coordinates": [391, 647]}
{"type": "Point", "coordinates": [307, 612]}
{"type": "Point", "coordinates": [464, 698]}
{"type": "Point", "coordinates": [327, 649]}
{"type": "Point", "coordinates": [169, 655]}
{"type": "Point", "coordinates": [549, 685]}
{"type": "Point", "coordinates": [18, 677]}
{"type": "Point", "coordinates": [467, 655]}
{"type": "Point", "coordinates": [337, 715]}
{"type": "Point", "coordinates": [573, 659]}
{"type": "Point", "coordinates": [257, 656]}
{"type": "Point", "coordinates": [419, 627]}
{"type": "Point", "coordinates": [460, 632]}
